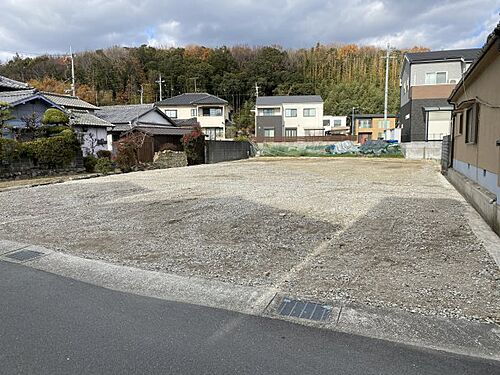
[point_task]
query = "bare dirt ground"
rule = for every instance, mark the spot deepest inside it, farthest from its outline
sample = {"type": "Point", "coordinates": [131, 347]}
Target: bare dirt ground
{"type": "Point", "coordinates": [384, 232]}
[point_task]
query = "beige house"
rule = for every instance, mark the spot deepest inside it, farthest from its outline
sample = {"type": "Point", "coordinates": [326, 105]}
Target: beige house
{"type": "Point", "coordinates": [475, 151]}
{"type": "Point", "coordinates": [370, 127]}
{"type": "Point", "coordinates": [211, 112]}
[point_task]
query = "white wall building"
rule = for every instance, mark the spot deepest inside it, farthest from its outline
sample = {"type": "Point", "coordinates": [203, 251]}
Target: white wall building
{"type": "Point", "coordinates": [211, 112]}
{"type": "Point", "coordinates": [289, 116]}
{"type": "Point", "coordinates": [335, 125]}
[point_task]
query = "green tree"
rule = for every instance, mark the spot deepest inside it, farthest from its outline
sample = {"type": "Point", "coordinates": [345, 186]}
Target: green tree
{"type": "Point", "coordinates": [5, 115]}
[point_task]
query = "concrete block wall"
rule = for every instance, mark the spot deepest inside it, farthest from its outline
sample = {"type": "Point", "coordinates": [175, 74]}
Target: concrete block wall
{"type": "Point", "coordinates": [219, 151]}
{"type": "Point", "coordinates": [422, 150]}
{"type": "Point", "coordinates": [481, 199]}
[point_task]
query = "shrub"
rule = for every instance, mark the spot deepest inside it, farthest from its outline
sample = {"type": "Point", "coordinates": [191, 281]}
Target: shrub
{"type": "Point", "coordinates": [194, 146]}
{"type": "Point", "coordinates": [57, 151]}
{"type": "Point", "coordinates": [241, 138]}
{"type": "Point", "coordinates": [104, 154]}
{"type": "Point", "coordinates": [10, 150]}
{"type": "Point", "coordinates": [128, 147]}
{"type": "Point", "coordinates": [51, 130]}
{"type": "Point", "coordinates": [89, 162]}
{"type": "Point", "coordinates": [103, 165]}
{"type": "Point", "coordinates": [54, 116]}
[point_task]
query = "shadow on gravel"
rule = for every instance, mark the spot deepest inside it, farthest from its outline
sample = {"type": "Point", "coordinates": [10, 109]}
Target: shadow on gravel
{"type": "Point", "coordinates": [225, 238]}
{"type": "Point", "coordinates": [415, 254]}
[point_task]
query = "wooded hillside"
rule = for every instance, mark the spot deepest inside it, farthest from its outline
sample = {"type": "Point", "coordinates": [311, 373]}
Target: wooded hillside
{"type": "Point", "coordinates": [345, 76]}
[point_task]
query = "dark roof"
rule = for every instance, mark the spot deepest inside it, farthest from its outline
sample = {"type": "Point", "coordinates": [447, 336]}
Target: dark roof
{"type": "Point", "coordinates": [372, 115]}
{"type": "Point", "coordinates": [187, 122]}
{"type": "Point", "coordinates": [10, 84]}
{"type": "Point", "coordinates": [84, 118]}
{"type": "Point", "coordinates": [467, 54]}
{"type": "Point", "coordinates": [61, 101]}
{"type": "Point", "coordinates": [12, 97]}
{"type": "Point", "coordinates": [120, 114]}
{"type": "Point", "coordinates": [278, 100]}
{"type": "Point", "coordinates": [161, 130]}
{"type": "Point", "coordinates": [68, 101]}
{"type": "Point", "coordinates": [192, 99]}
{"type": "Point", "coordinates": [492, 38]}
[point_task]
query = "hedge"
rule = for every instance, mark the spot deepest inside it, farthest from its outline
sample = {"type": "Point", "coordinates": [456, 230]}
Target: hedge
{"type": "Point", "coordinates": [57, 151]}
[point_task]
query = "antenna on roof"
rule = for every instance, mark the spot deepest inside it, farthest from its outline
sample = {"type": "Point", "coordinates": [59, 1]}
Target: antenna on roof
{"type": "Point", "coordinates": [73, 88]}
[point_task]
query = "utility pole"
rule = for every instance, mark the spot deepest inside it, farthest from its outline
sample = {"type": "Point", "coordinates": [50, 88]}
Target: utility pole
{"type": "Point", "coordinates": [352, 120]}
{"type": "Point", "coordinates": [386, 93]}
{"type": "Point", "coordinates": [160, 82]}
{"type": "Point", "coordinates": [194, 79]}
{"type": "Point", "coordinates": [142, 93]}
{"type": "Point", "coordinates": [73, 88]}
{"type": "Point", "coordinates": [257, 87]}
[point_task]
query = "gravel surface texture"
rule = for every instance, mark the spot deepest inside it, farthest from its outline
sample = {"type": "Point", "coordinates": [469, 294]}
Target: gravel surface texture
{"type": "Point", "coordinates": [384, 232]}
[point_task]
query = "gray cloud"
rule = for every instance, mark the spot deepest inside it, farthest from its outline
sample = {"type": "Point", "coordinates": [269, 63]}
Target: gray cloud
{"type": "Point", "coordinates": [32, 27]}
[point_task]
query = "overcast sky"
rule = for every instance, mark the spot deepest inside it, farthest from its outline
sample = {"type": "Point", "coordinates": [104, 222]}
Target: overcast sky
{"type": "Point", "coordinates": [33, 27]}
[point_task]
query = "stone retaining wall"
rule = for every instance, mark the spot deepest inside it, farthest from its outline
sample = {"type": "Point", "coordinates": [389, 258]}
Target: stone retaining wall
{"type": "Point", "coordinates": [170, 159]}
{"type": "Point", "coordinates": [26, 168]}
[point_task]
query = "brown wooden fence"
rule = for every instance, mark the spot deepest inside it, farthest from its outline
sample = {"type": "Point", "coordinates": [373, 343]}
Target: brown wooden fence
{"type": "Point", "coordinates": [326, 138]}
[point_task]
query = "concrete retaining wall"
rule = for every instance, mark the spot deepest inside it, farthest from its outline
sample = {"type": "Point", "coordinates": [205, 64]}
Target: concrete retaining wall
{"type": "Point", "coordinates": [298, 144]}
{"type": "Point", "coordinates": [219, 151]}
{"type": "Point", "coordinates": [422, 150]}
{"type": "Point", "coordinates": [481, 199]}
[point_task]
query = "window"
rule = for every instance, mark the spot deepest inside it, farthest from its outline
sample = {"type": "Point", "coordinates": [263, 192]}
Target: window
{"type": "Point", "coordinates": [365, 123]}
{"type": "Point", "coordinates": [314, 132]}
{"type": "Point", "coordinates": [326, 123]}
{"type": "Point", "coordinates": [337, 123]}
{"type": "Point", "coordinates": [309, 112]}
{"type": "Point", "coordinates": [471, 115]}
{"type": "Point", "coordinates": [194, 112]}
{"type": "Point", "coordinates": [269, 132]}
{"type": "Point", "coordinates": [172, 113]}
{"type": "Point", "coordinates": [268, 112]}
{"type": "Point", "coordinates": [213, 133]}
{"type": "Point", "coordinates": [211, 112]}
{"type": "Point", "coordinates": [383, 124]}
{"type": "Point", "coordinates": [436, 78]}
{"type": "Point", "coordinates": [290, 112]}
{"type": "Point", "coordinates": [438, 125]}
{"type": "Point", "coordinates": [458, 124]}
{"type": "Point", "coordinates": [291, 133]}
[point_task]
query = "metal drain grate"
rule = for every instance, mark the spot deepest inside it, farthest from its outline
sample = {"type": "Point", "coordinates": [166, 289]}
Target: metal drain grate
{"type": "Point", "coordinates": [304, 310]}
{"type": "Point", "coordinates": [24, 255]}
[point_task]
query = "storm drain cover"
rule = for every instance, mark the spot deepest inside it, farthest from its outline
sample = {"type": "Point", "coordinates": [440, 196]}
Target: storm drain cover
{"type": "Point", "coordinates": [304, 310]}
{"type": "Point", "coordinates": [24, 255]}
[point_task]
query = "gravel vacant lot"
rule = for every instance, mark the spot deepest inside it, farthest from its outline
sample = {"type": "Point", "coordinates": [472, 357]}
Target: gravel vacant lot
{"type": "Point", "coordinates": [385, 232]}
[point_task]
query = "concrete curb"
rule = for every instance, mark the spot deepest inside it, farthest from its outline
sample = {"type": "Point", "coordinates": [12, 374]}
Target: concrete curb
{"type": "Point", "coordinates": [57, 181]}
{"type": "Point", "coordinates": [456, 336]}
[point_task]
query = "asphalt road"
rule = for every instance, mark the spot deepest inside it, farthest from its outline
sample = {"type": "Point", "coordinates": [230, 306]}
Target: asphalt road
{"type": "Point", "coordinates": [54, 325]}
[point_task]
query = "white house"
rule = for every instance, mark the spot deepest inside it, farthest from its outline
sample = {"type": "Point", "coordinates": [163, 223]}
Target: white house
{"type": "Point", "coordinates": [289, 116]}
{"type": "Point", "coordinates": [211, 112]}
{"type": "Point", "coordinates": [335, 125]}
